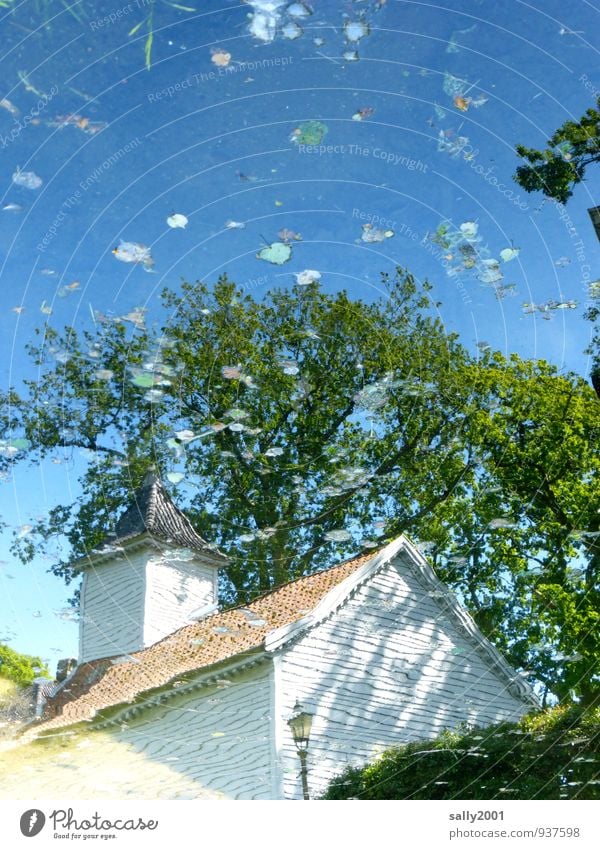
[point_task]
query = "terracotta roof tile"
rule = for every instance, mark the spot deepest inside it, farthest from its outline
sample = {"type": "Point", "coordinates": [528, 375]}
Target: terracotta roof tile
{"type": "Point", "coordinates": [109, 682]}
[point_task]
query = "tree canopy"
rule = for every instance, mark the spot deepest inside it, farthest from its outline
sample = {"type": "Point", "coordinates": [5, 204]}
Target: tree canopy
{"type": "Point", "coordinates": [571, 149]}
{"type": "Point", "coordinates": [20, 668]}
{"type": "Point", "coordinates": [307, 426]}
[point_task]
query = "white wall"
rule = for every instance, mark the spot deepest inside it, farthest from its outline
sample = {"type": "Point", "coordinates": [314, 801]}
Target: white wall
{"type": "Point", "coordinates": [212, 743]}
{"type": "Point", "coordinates": [112, 600]}
{"type": "Point", "coordinates": [131, 602]}
{"type": "Point", "coordinates": [219, 736]}
{"type": "Point", "coordinates": [175, 588]}
{"type": "Point", "coordinates": [389, 667]}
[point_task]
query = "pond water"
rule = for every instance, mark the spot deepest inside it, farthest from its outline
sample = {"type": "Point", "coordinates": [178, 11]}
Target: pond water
{"type": "Point", "coordinates": [148, 142]}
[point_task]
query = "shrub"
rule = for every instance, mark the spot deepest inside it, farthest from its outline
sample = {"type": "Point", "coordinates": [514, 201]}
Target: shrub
{"type": "Point", "coordinates": [553, 754]}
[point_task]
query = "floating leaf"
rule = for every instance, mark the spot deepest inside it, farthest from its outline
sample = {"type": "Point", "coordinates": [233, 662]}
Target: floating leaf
{"type": "Point", "coordinates": [371, 234]}
{"type": "Point", "coordinates": [479, 100]}
{"type": "Point", "coordinates": [291, 30]}
{"type": "Point", "coordinates": [298, 10]}
{"type": "Point", "coordinates": [221, 58]}
{"type": "Point", "coordinates": [310, 133]}
{"type": "Point", "coordinates": [274, 452]}
{"type": "Point", "coordinates": [148, 50]}
{"type": "Point", "coordinates": [104, 374]}
{"type": "Point", "coordinates": [177, 220]}
{"type": "Point", "coordinates": [308, 276]}
{"type": "Point", "coordinates": [363, 114]}
{"type": "Point", "coordinates": [354, 31]}
{"type": "Point", "coordinates": [501, 523]}
{"type": "Point", "coordinates": [506, 254]}
{"type": "Point", "coordinates": [26, 179]}
{"type": "Point", "coordinates": [143, 380]}
{"type": "Point", "coordinates": [175, 477]}
{"type": "Point", "coordinates": [277, 253]}
{"type": "Point", "coordinates": [231, 372]}
{"type": "Point", "coordinates": [236, 414]}
{"type": "Point", "coordinates": [287, 235]}
{"type": "Point", "coordinates": [133, 252]}
{"type": "Point", "coordinates": [153, 395]}
{"type": "Point", "coordinates": [454, 85]}
{"type": "Point", "coordinates": [469, 229]}
{"type": "Point", "coordinates": [337, 536]}
{"type": "Point", "coordinates": [289, 367]}
{"type": "Point", "coordinates": [21, 444]}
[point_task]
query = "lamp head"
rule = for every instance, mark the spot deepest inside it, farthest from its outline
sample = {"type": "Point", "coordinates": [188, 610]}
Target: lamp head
{"type": "Point", "coordinates": [300, 724]}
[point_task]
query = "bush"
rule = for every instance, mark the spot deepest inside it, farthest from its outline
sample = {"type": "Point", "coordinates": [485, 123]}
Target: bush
{"type": "Point", "coordinates": [553, 754]}
{"type": "Point", "coordinates": [20, 668]}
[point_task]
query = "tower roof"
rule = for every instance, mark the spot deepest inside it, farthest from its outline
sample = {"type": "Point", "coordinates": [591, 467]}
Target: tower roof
{"type": "Point", "coordinates": [153, 512]}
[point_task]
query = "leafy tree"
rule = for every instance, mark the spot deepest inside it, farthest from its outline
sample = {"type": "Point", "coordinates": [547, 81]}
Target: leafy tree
{"type": "Point", "coordinates": [20, 668]}
{"type": "Point", "coordinates": [548, 755]}
{"type": "Point", "coordinates": [308, 426]}
{"type": "Point", "coordinates": [557, 169]}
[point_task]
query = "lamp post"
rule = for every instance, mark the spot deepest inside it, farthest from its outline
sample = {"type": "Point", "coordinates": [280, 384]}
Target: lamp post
{"type": "Point", "coordinates": [300, 725]}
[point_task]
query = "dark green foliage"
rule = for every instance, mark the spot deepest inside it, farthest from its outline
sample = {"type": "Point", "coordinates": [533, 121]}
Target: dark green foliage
{"type": "Point", "coordinates": [556, 170]}
{"type": "Point", "coordinates": [553, 754]}
{"type": "Point", "coordinates": [20, 668]}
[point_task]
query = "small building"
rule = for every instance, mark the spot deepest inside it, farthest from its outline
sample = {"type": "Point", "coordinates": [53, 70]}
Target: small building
{"type": "Point", "coordinates": [173, 699]}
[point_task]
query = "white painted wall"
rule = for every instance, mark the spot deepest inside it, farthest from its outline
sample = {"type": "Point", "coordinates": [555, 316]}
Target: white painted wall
{"type": "Point", "coordinates": [132, 601]}
{"type": "Point", "coordinates": [112, 602]}
{"type": "Point", "coordinates": [388, 667]}
{"type": "Point", "coordinates": [175, 588]}
{"type": "Point", "coordinates": [212, 743]}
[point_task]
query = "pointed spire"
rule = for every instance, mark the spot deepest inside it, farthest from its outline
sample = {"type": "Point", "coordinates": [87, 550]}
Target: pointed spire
{"type": "Point", "coordinates": [152, 511]}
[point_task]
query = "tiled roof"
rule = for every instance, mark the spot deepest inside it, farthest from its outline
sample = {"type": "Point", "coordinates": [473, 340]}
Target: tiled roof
{"type": "Point", "coordinates": [152, 511]}
{"type": "Point", "coordinates": [106, 683]}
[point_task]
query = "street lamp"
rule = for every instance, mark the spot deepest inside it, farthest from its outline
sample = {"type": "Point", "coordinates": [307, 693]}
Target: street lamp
{"type": "Point", "coordinates": [300, 725]}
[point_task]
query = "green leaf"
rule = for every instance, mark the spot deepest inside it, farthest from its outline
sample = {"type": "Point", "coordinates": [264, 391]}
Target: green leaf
{"type": "Point", "coordinates": [148, 50]}
{"type": "Point", "coordinates": [135, 28]}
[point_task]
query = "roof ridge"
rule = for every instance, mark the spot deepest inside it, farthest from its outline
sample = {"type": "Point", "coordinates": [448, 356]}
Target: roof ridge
{"type": "Point", "coordinates": [151, 506]}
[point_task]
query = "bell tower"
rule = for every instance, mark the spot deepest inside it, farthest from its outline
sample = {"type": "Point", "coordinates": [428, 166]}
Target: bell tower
{"type": "Point", "coordinates": [154, 575]}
